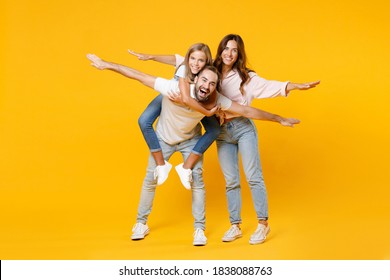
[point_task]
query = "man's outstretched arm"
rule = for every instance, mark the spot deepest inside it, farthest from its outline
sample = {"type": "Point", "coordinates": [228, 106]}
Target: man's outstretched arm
{"type": "Point", "coordinates": [257, 114]}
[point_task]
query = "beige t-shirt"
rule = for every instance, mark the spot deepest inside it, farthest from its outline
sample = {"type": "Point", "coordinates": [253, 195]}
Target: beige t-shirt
{"type": "Point", "coordinates": [178, 123]}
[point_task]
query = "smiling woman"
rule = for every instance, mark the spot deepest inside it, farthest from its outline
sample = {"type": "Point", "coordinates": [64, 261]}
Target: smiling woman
{"type": "Point", "coordinates": [239, 135]}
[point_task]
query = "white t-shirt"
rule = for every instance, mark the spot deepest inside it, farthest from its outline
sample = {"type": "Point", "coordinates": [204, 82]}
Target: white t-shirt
{"type": "Point", "coordinates": [164, 85]}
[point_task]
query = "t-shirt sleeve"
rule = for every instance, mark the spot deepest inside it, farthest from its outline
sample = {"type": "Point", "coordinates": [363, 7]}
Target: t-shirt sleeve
{"type": "Point", "coordinates": [181, 72]}
{"type": "Point", "coordinates": [224, 102]}
{"type": "Point", "coordinates": [179, 60]}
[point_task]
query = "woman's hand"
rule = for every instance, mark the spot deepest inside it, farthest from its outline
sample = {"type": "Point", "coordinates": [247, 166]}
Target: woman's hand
{"type": "Point", "coordinates": [301, 86]}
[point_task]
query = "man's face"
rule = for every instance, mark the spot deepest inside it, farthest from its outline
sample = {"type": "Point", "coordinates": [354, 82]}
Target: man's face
{"type": "Point", "coordinates": [205, 85]}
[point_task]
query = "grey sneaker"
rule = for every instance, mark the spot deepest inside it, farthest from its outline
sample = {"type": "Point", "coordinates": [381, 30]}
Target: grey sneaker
{"type": "Point", "coordinates": [199, 238]}
{"type": "Point", "coordinates": [185, 175]}
{"type": "Point", "coordinates": [260, 234]}
{"type": "Point", "coordinates": [161, 172]}
{"type": "Point", "coordinates": [233, 233]}
{"type": "Point", "coordinates": [139, 231]}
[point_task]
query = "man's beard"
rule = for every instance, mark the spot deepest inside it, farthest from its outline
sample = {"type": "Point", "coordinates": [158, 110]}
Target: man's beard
{"type": "Point", "coordinates": [199, 98]}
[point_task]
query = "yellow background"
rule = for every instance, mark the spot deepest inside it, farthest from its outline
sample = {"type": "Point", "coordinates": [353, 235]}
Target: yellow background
{"type": "Point", "coordinates": [72, 158]}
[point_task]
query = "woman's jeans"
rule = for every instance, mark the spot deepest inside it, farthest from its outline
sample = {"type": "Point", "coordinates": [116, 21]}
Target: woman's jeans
{"type": "Point", "coordinates": [240, 136]}
{"type": "Point", "coordinates": [197, 186]}
{"type": "Point", "coordinates": [148, 117]}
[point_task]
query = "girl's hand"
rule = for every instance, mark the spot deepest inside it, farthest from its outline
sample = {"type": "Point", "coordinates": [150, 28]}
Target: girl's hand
{"type": "Point", "coordinates": [140, 56]}
{"type": "Point", "coordinates": [175, 96]}
{"type": "Point", "coordinates": [213, 111]}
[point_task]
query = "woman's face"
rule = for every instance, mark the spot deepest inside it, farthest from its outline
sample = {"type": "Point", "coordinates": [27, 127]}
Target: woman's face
{"type": "Point", "coordinates": [196, 61]}
{"type": "Point", "coordinates": [230, 53]}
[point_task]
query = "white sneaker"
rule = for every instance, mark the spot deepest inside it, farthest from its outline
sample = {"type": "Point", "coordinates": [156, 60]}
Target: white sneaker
{"type": "Point", "coordinates": [260, 234]}
{"type": "Point", "coordinates": [139, 231]}
{"type": "Point", "coordinates": [199, 238]}
{"type": "Point", "coordinates": [185, 175]}
{"type": "Point", "coordinates": [161, 172]}
{"type": "Point", "coordinates": [232, 234]}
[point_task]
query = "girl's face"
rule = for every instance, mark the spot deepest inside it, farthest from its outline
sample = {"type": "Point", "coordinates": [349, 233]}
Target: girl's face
{"type": "Point", "coordinates": [197, 60]}
{"type": "Point", "coordinates": [230, 53]}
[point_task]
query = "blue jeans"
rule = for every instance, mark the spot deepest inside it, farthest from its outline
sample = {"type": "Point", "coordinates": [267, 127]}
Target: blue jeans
{"type": "Point", "coordinates": [197, 187]}
{"type": "Point", "coordinates": [240, 136]}
{"type": "Point", "coordinates": [146, 120]}
{"type": "Point", "coordinates": [151, 113]}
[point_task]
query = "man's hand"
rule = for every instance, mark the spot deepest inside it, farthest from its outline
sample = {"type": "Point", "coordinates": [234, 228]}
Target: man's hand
{"type": "Point", "coordinates": [97, 61]}
{"type": "Point", "coordinates": [221, 116]}
{"type": "Point", "coordinates": [289, 122]}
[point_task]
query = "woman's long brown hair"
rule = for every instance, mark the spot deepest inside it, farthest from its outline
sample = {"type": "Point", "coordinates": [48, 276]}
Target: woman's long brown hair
{"type": "Point", "coordinates": [240, 64]}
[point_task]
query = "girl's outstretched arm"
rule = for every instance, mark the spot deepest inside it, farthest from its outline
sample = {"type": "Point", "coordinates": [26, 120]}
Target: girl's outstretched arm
{"type": "Point", "coordinates": [166, 59]}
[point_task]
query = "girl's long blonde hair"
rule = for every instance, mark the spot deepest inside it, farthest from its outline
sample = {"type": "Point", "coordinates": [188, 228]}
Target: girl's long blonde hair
{"type": "Point", "coordinates": [196, 47]}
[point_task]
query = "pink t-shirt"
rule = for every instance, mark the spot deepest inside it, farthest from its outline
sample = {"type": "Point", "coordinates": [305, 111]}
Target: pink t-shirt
{"type": "Point", "coordinates": [255, 88]}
